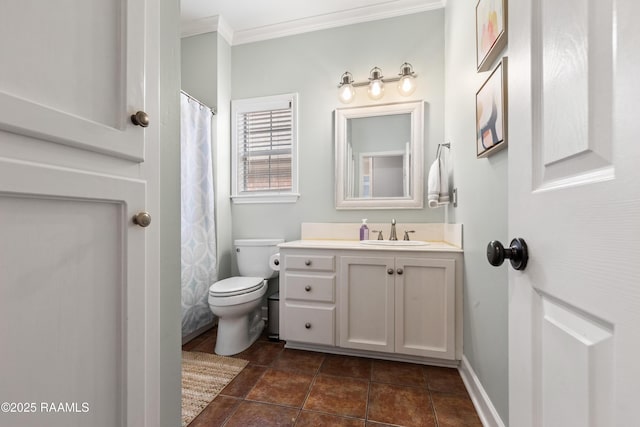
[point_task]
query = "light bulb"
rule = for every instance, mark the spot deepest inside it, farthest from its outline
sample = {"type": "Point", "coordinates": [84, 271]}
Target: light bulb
{"type": "Point", "coordinates": [406, 85]}
{"type": "Point", "coordinates": [376, 89]}
{"type": "Point", "coordinates": [376, 85]}
{"type": "Point", "coordinates": [347, 93]}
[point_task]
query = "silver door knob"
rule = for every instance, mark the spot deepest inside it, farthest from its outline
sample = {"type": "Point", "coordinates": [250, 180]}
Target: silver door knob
{"type": "Point", "coordinates": [307, 325]}
{"type": "Point", "coordinates": [143, 219]}
{"type": "Point", "coordinates": [307, 288]}
{"type": "Point", "coordinates": [140, 119]}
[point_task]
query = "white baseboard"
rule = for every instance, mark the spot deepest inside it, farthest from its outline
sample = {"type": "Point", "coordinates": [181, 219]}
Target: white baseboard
{"type": "Point", "coordinates": [486, 411]}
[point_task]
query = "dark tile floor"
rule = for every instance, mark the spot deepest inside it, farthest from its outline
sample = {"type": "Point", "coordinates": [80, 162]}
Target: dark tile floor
{"type": "Point", "coordinates": [284, 387]}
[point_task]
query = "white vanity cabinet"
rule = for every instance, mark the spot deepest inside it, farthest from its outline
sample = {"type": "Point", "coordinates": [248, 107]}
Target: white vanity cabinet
{"type": "Point", "coordinates": [307, 293]}
{"type": "Point", "coordinates": [401, 304]}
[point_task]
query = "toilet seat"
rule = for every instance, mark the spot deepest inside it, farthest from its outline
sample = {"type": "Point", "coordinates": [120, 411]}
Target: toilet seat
{"type": "Point", "coordinates": [235, 286]}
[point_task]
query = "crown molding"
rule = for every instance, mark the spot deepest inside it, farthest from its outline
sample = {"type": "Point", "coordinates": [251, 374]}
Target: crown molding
{"type": "Point", "coordinates": [208, 24]}
{"type": "Point", "coordinates": [199, 26]}
{"type": "Point", "coordinates": [225, 30]}
{"type": "Point", "coordinates": [338, 19]}
{"type": "Point", "coordinates": [313, 23]}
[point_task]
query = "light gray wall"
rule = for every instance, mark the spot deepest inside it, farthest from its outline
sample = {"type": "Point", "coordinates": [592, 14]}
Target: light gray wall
{"type": "Point", "coordinates": [311, 64]}
{"type": "Point", "coordinates": [199, 67]}
{"type": "Point", "coordinates": [206, 75]}
{"type": "Point", "coordinates": [482, 209]}
{"type": "Point", "coordinates": [170, 356]}
{"type": "Point", "coordinates": [222, 160]}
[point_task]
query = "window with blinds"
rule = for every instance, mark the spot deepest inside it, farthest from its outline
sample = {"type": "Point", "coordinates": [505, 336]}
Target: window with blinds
{"type": "Point", "coordinates": [264, 149]}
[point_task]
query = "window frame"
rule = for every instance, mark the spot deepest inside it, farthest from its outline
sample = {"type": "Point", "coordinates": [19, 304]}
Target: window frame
{"type": "Point", "coordinates": [265, 103]}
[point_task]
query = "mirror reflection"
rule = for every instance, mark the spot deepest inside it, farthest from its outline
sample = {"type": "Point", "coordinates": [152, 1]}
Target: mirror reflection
{"type": "Point", "coordinates": [379, 153]}
{"type": "Point", "coordinates": [379, 156]}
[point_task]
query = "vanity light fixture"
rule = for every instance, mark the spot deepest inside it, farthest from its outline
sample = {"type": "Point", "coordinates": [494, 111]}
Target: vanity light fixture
{"type": "Point", "coordinates": [376, 83]}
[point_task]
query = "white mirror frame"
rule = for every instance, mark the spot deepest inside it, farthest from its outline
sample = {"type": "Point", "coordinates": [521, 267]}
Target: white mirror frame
{"type": "Point", "coordinates": [415, 201]}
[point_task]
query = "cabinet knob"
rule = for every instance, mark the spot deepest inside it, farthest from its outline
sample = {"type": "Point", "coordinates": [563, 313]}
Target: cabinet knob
{"type": "Point", "coordinates": [390, 271]}
{"type": "Point", "coordinates": [399, 271]}
{"type": "Point", "coordinates": [307, 325]}
{"type": "Point", "coordinates": [307, 288]}
{"type": "Point", "coordinates": [307, 262]}
{"type": "Point", "coordinates": [140, 119]}
{"type": "Point", "coordinates": [143, 219]}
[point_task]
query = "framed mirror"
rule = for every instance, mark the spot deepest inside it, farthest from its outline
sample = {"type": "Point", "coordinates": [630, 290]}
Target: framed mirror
{"type": "Point", "coordinates": [379, 156]}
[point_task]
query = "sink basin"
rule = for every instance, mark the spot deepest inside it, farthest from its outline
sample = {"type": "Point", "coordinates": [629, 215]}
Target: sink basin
{"type": "Point", "coordinates": [393, 243]}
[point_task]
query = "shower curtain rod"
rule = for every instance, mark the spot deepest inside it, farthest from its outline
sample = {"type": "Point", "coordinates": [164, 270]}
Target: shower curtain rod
{"type": "Point", "coordinates": [193, 98]}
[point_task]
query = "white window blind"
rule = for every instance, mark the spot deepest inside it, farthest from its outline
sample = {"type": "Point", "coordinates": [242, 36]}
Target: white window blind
{"type": "Point", "coordinates": [264, 144]}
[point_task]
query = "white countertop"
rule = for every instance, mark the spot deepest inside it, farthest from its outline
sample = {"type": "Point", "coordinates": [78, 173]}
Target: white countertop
{"type": "Point", "coordinates": [356, 245]}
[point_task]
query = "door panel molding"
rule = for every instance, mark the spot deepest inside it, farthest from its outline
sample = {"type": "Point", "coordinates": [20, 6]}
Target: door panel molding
{"type": "Point", "coordinates": [572, 114]}
{"type": "Point", "coordinates": [50, 183]}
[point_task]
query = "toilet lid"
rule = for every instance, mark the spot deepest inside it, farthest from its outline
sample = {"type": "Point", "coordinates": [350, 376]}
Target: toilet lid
{"type": "Point", "coordinates": [235, 286]}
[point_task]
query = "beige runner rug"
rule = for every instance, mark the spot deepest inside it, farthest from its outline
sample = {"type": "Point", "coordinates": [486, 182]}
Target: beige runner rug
{"type": "Point", "coordinates": [204, 375]}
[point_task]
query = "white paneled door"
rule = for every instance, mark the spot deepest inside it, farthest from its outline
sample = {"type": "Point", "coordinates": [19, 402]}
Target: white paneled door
{"type": "Point", "coordinates": [574, 196]}
{"type": "Point", "coordinates": [79, 285]}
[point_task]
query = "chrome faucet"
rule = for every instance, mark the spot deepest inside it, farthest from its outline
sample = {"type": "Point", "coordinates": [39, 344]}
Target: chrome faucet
{"type": "Point", "coordinates": [393, 230]}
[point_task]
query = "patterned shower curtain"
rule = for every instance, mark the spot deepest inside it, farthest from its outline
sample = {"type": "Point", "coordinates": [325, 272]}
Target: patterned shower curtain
{"type": "Point", "coordinates": [198, 222]}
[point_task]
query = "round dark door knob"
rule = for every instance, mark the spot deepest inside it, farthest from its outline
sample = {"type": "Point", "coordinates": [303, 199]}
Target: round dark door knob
{"type": "Point", "coordinates": [517, 253]}
{"type": "Point", "coordinates": [140, 119]}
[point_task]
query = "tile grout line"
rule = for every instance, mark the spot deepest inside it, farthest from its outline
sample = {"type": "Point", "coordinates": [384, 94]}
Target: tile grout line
{"type": "Point", "coordinates": [226, 420]}
{"type": "Point", "coordinates": [366, 407]}
{"type": "Point", "coordinates": [433, 406]}
{"type": "Point", "coordinates": [304, 401]}
{"type": "Point", "coordinates": [366, 410]}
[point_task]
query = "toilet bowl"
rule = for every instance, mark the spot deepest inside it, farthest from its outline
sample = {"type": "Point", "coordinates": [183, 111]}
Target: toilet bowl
{"type": "Point", "coordinates": [237, 301]}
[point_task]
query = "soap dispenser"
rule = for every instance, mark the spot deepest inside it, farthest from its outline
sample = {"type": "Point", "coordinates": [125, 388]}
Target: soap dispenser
{"type": "Point", "coordinates": [364, 230]}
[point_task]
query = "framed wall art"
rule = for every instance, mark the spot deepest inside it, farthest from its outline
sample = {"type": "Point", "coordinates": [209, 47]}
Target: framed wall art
{"type": "Point", "coordinates": [491, 32]}
{"type": "Point", "coordinates": [491, 112]}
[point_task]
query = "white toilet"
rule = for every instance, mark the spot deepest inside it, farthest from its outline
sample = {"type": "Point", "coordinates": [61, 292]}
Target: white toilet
{"type": "Point", "coordinates": [237, 301]}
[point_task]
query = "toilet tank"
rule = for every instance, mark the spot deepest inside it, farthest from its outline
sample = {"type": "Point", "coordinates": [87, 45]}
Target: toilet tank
{"type": "Point", "coordinates": [253, 255]}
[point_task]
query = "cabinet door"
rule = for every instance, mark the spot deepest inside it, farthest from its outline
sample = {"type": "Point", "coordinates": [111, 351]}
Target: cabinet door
{"type": "Point", "coordinates": [425, 307]}
{"type": "Point", "coordinates": [367, 303]}
{"type": "Point", "coordinates": [79, 281]}
{"type": "Point", "coordinates": [74, 72]}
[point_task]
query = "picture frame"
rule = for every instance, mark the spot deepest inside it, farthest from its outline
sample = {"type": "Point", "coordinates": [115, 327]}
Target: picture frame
{"type": "Point", "coordinates": [491, 112]}
{"type": "Point", "coordinates": [491, 32]}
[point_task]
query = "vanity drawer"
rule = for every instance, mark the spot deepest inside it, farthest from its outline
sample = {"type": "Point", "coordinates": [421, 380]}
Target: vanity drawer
{"type": "Point", "coordinates": [310, 262]}
{"type": "Point", "coordinates": [310, 287]}
{"type": "Point", "coordinates": [310, 324]}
